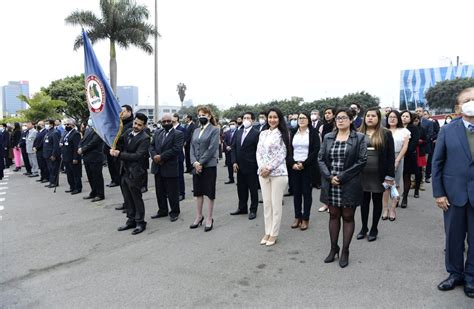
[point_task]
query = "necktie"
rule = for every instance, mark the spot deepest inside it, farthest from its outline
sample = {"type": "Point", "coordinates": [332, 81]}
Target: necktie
{"type": "Point", "coordinates": [471, 128]}
{"type": "Point", "coordinates": [243, 136]}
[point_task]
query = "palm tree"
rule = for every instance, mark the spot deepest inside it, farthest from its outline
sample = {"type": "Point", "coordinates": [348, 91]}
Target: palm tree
{"type": "Point", "coordinates": [181, 88]}
{"type": "Point", "coordinates": [123, 22]}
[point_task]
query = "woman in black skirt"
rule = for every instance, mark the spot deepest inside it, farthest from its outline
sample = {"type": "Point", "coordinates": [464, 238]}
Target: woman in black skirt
{"type": "Point", "coordinates": [204, 154]}
{"type": "Point", "coordinates": [410, 161]}
{"type": "Point", "coordinates": [341, 159]}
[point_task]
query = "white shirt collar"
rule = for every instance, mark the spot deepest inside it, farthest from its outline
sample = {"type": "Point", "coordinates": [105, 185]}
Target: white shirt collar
{"type": "Point", "coordinates": [466, 123]}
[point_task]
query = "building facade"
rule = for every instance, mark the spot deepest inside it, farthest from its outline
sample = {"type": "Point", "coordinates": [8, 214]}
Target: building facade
{"type": "Point", "coordinates": [414, 83]}
{"type": "Point", "coordinates": [10, 102]}
{"type": "Point", "coordinates": [127, 95]}
{"type": "Point", "coordinates": [149, 110]}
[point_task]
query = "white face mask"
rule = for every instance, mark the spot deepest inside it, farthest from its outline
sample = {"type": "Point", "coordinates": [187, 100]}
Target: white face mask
{"type": "Point", "coordinates": [24, 128]}
{"type": "Point", "coordinates": [314, 117]}
{"type": "Point", "coordinates": [262, 121]}
{"type": "Point", "coordinates": [232, 127]}
{"type": "Point", "coordinates": [246, 123]}
{"type": "Point", "coordinates": [448, 120]}
{"type": "Point", "coordinates": [468, 108]}
{"type": "Point", "coordinates": [46, 126]}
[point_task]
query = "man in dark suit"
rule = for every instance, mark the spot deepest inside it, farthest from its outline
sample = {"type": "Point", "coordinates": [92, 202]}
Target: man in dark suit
{"type": "Point", "coordinates": [92, 150]}
{"type": "Point", "coordinates": [228, 140]}
{"type": "Point", "coordinates": [357, 119]}
{"type": "Point", "coordinates": [244, 163]}
{"type": "Point", "coordinates": [262, 122]}
{"type": "Point", "coordinates": [52, 154]}
{"type": "Point", "coordinates": [71, 158]}
{"type": "Point", "coordinates": [24, 154]}
{"type": "Point", "coordinates": [38, 148]}
{"type": "Point", "coordinates": [432, 142]}
{"type": "Point", "coordinates": [164, 151]}
{"type": "Point", "coordinates": [132, 171]}
{"type": "Point", "coordinates": [453, 188]}
{"type": "Point", "coordinates": [190, 126]}
{"type": "Point", "coordinates": [177, 126]}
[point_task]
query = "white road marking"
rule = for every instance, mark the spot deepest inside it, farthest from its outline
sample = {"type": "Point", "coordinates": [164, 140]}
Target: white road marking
{"type": "Point", "coordinates": [2, 199]}
{"type": "Point", "coordinates": [3, 188]}
{"type": "Point", "coordinates": [2, 208]}
{"type": "Point", "coordinates": [3, 193]}
{"type": "Point", "coordinates": [3, 183]}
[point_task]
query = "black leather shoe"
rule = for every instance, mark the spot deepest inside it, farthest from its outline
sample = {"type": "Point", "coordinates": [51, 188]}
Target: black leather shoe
{"type": "Point", "coordinates": [450, 283]}
{"type": "Point", "coordinates": [344, 258]}
{"type": "Point", "coordinates": [181, 198]}
{"type": "Point", "coordinates": [97, 198]}
{"type": "Point", "coordinates": [417, 194]}
{"type": "Point", "coordinates": [76, 192]}
{"type": "Point", "coordinates": [428, 180]}
{"type": "Point", "coordinates": [229, 182]}
{"type": "Point", "coordinates": [88, 197]}
{"type": "Point", "coordinates": [362, 234]}
{"type": "Point", "coordinates": [44, 181]}
{"type": "Point", "coordinates": [372, 236]}
{"type": "Point", "coordinates": [194, 226]}
{"type": "Point", "coordinates": [50, 186]}
{"type": "Point", "coordinates": [238, 212]}
{"type": "Point", "coordinates": [469, 290]}
{"type": "Point", "coordinates": [173, 218]}
{"type": "Point", "coordinates": [27, 174]}
{"type": "Point", "coordinates": [127, 226]}
{"type": "Point", "coordinates": [140, 228]}
{"type": "Point", "coordinates": [120, 208]}
{"type": "Point", "coordinates": [288, 194]}
{"type": "Point", "coordinates": [33, 176]}
{"type": "Point", "coordinates": [68, 191]}
{"type": "Point", "coordinates": [260, 201]}
{"type": "Point", "coordinates": [252, 215]}
{"type": "Point", "coordinates": [112, 184]}
{"type": "Point", "coordinates": [158, 215]}
{"type": "Point", "coordinates": [208, 228]}
{"type": "Point", "coordinates": [39, 180]}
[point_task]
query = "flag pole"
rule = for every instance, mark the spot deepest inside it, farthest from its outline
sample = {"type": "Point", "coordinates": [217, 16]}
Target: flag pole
{"type": "Point", "coordinates": [114, 144]}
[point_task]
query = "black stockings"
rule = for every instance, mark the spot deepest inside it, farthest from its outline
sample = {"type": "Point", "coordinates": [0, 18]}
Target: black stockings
{"type": "Point", "coordinates": [335, 214]}
{"type": "Point", "coordinates": [364, 211]}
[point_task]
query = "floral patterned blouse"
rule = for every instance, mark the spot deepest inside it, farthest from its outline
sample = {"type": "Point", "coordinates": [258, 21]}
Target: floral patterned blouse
{"type": "Point", "coordinates": [271, 153]}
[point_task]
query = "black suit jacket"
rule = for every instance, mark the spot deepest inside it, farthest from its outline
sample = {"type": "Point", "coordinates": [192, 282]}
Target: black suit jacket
{"type": "Point", "coordinates": [38, 143]}
{"type": "Point", "coordinates": [92, 147]}
{"type": "Point", "coordinates": [69, 145]}
{"type": "Point", "coordinates": [51, 144]}
{"type": "Point", "coordinates": [168, 148]}
{"type": "Point", "coordinates": [133, 156]}
{"type": "Point", "coordinates": [314, 146]}
{"type": "Point", "coordinates": [189, 133]}
{"type": "Point", "coordinates": [245, 155]}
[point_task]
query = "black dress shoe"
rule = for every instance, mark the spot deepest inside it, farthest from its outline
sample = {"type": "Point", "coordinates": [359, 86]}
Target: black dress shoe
{"type": "Point", "coordinates": [260, 201]}
{"type": "Point", "coordinates": [120, 208]}
{"type": "Point", "coordinates": [181, 198]}
{"type": "Point", "coordinates": [238, 212]}
{"type": "Point", "coordinates": [76, 192]}
{"type": "Point", "coordinates": [39, 180]}
{"type": "Point", "coordinates": [450, 283]}
{"type": "Point", "coordinates": [158, 215]}
{"type": "Point", "coordinates": [288, 194]}
{"type": "Point", "coordinates": [344, 258]}
{"type": "Point", "coordinates": [194, 226]}
{"type": "Point", "coordinates": [68, 191]}
{"type": "Point", "coordinates": [88, 197]}
{"type": "Point", "coordinates": [208, 228]}
{"type": "Point", "coordinates": [362, 234]}
{"type": "Point", "coordinates": [417, 194]}
{"type": "Point", "coordinates": [372, 236]}
{"type": "Point", "coordinates": [127, 226]}
{"type": "Point", "coordinates": [33, 176]}
{"type": "Point", "coordinates": [112, 184]}
{"type": "Point", "coordinates": [44, 181]}
{"type": "Point", "coordinates": [173, 218]}
{"type": "Point", "coordinates": [144, 189]}
{"type": "Point", "coordinates": [469, 290]}
{"type": "Point", "coordinates": [140, 228]}
{"type": "Point", "coordinates": [27, 174]}
{"type": "Point", "coordinates": [229, 182]}
{"type": "Point", "coordinates": [428, 180]}
{"type": "Point", "coordinates": [51, 186]}
{"type": "Point", "coordinates": [252, 215]}
{"type": "Point", "coordinates": [97, 198]}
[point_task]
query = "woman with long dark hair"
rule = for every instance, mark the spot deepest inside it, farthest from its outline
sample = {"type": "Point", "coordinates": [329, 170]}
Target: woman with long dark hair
{"type": "Point", "coordinates": [304, 148]}
{"type": "Point", "coordinates": [410, 166]}
{"type": "Point", "coordinates": [380, 168]}
{"type": "Point", "coordinates": [272, 153]}
{"type": "Point", "coordinates": [341, 159]}
{"type": "Point", "coordinates": [16, 138]}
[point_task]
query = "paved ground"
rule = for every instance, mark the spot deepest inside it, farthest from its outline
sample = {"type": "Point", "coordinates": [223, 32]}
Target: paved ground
{"type": "Point", "coordinates": [59, 251]}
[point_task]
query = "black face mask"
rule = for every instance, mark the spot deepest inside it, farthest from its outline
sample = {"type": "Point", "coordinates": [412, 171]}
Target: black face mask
{"type": "Point", "coordinates": [203, 120]}
{"type": "Point", "coordinates": [167, 126]}
{"type": "Point", "coordinates": [239, 123]}
{"type": "Point", "coordinates": [68, 129]}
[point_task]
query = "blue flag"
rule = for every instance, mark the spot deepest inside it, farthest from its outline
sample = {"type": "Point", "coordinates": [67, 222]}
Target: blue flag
{"type": "Point", "coordinates": [103, 106]}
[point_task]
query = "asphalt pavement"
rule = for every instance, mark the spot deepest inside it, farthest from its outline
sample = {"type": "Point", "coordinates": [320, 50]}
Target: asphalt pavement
{"type": "Point", "coordinates": [60, 251]}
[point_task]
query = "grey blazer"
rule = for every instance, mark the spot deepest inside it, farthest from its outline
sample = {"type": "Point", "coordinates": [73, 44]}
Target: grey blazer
{"type": "Point", "coordinates": [30, 140]}
{"type": "Point", "coordinates": [205, 150]}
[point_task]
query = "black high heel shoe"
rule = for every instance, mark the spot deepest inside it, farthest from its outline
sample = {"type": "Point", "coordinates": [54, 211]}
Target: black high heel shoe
{"type": "Point", "coordinates": [332, 254]}
{"type": "Point", "coordinates": [208, 228]}
{"type": "Point", "coordinates": [344, 260]}
{"type": "Point", "coordinates": [195, 225]}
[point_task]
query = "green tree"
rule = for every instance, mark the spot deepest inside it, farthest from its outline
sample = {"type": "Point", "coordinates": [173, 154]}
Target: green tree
{"type": "Point", "coordinates": [71, 91]}
{"type": "Point", "coordinates": [443, 94]}
{"type": "Point", "coordinates": [192, 110]}
{"type": "Point", "coordinates": [123, 23]}
{"type": "Point", "coordinates": [41, 107]}
{"type": "Point", "coordinates": [237, 110]}
{"type": "Point", "coordinates": [181, 88]}
{"type": "Point", "coordinates": [365, 100]}
{"type": "Point", "coordinates": [321, 105]}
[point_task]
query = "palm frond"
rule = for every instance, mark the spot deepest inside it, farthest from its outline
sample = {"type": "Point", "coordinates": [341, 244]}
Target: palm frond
{"type": "Point", "coordinates": [83, 18]}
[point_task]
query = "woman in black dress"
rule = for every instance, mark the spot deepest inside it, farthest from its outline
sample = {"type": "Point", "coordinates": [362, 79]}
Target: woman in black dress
{"type": "Point", "coordinates": [380, 168]}
{"type": "Point", "coordinates": [410, 161]}
{"type": "Point", "coordinates": [341, 160]}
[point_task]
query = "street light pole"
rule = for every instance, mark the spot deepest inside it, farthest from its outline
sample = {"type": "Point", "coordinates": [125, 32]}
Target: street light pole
{"type": "Point", "coordinates": [157, 104]}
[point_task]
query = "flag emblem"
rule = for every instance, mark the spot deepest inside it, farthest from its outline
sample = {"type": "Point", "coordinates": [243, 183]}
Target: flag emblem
{"type": "Point", "coordinates": [95, 93]}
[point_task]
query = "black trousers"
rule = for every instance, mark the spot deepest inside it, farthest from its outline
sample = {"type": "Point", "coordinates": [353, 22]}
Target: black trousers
{"type": "Point", "coordinates": [113, 164]}
{"type": "Point", "coordinates": [53, 170]}
{"type": "Point", "coordinates": [364, 211]}
{"type": "Point", "coordinates": [428, 163]}
{"type": "Point", "coordinates": [230, 168]}
{"type": "Point", "coordinates": [167, 190]}
{"type": "Point", "coordinates": [182, 190]}
{"type": "Point", "coordinates": [96, 179]}
{"type": "Point", "coordinates": [132, 195]}
{"type": "Point", "coordinates": [290, 180]}
{"type": "Point", "coordinates": [247, 183]}
{"type": "Point", "coordinates": [315, 176]}
{"type": "Point", "coordinates": [187, 155]}
{"type": "Point", "coordinates": [302, 193]}
{"type": "Point", "coordinates": [26, 161]}
{"type": "Point", "coordinates": [43, 166]}
{"type": "Point", "coordinates": [74, 174]}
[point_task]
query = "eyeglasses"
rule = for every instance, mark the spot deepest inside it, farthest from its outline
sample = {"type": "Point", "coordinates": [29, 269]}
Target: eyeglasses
{"type": "Point", "coordinates": [342, 118]}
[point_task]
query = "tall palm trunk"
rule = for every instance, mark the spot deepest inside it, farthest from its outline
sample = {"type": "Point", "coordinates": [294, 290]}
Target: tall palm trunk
{"type": "Point", "coordinates": [113, 67]}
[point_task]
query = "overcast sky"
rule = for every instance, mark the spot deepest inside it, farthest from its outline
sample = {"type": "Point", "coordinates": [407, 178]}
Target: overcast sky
{"type": "Point", "coordinates": [248, 51]}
